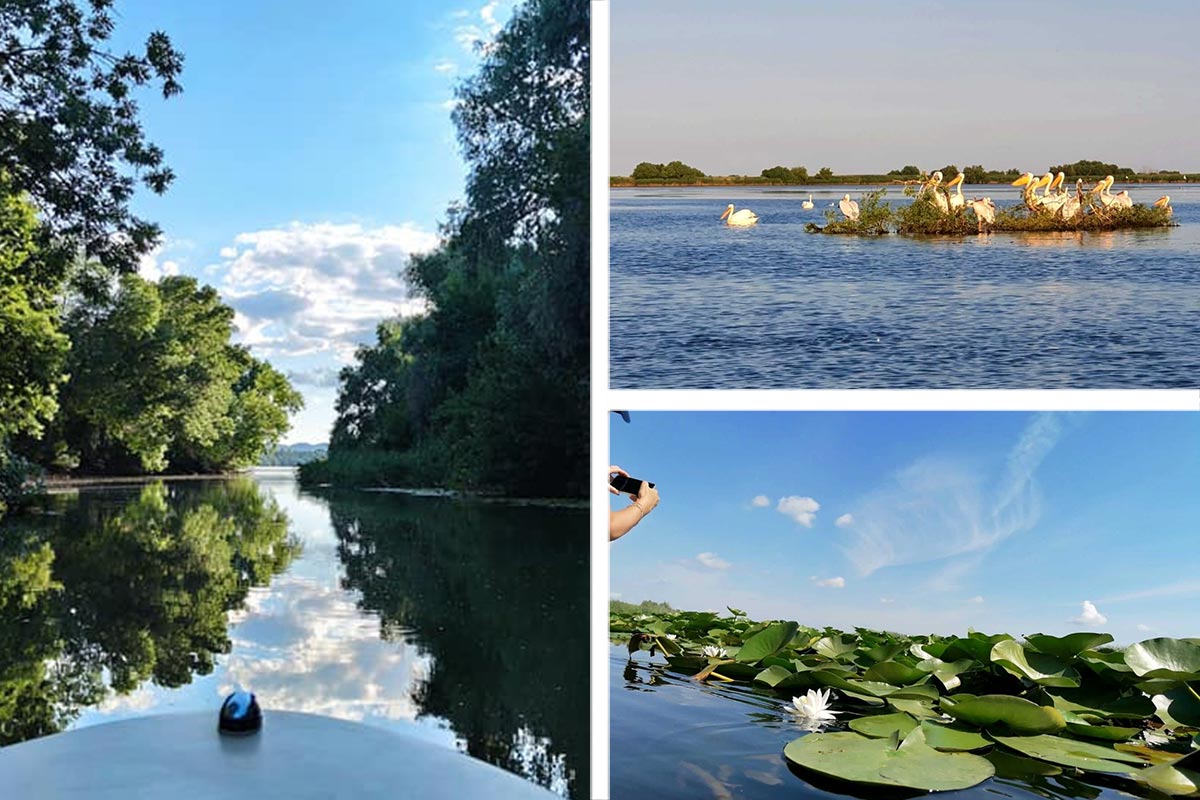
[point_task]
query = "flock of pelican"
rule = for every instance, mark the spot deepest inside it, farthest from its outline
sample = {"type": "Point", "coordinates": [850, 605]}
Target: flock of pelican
{"type": "Point", "coordinates": [1054, 199]}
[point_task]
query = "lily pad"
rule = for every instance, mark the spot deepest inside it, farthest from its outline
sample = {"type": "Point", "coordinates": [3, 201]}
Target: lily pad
{"type": "Point", "coordinates": [879, 762]}
{"type": "Point", "coordinates": [895, 673]}
{"type": "Point", "coordinates": [1067, 647]}
{"type": "Point", "coordinates": [1040, 668]}
{"type": "Point", "coordinates": [916, 708]}
{"type": "Point", "coordinates": [767, 642]}
{"type": "Point", "coordinates": [773, 675]}
{"type": "Point", "coordinates": [1165, 658]}
{"type": "Point", "coordinates": [1106, 733]}
{"type": "Point", "coordinates": [1178, 708]}
{"type": "Point", "coordinates": [946, 671]}
{"type": "Point", "coordinates": [1003, 711]}
{"type": "Point", "coordinates": [953, 737]}
{"type": "Point", "coordinates": [1102, 703]}
{"type": "Point", "coordinates": [833, 647]}
{"type": "Point", "coordinates": [882, 726]}
{"type": "Point", "coordinates": [1072, 753]}
{"type": "Point", "coordinates": [1011, 765]}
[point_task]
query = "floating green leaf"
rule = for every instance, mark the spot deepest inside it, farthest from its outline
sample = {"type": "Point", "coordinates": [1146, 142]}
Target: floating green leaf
{"type": "Point", "coordinates": [1067, 647]}
{"type": "Point", "coordinates": [882, 726]}
{"type": "Point", "coordinates": [895, 673]}
{"type": "Point", "coordinates": [878, 762]}
{"type": "Point", "coordinates": [832, 647]}
{"type": "Point", "coordinates": [1107, 733]}
{"type": "Point", "coordinates": [1165, 658]}
{"type": "Point", "coordinates": [767, 642]}
{"type": "Point", "coordinates": [1178, 708]}
{"type": "Point", "coordinates": [773, 675]}
{"type": "Point", "coordinates": [1040, 668]}
{"type": "Point", "coordinates": [1072, 753]}
{"type": "Point", "coordinates": [946, 671]}
{"type": "Point", "coordinates": [1003, 711]}
{"type": "Point", "coordinates": [1011, 765]}
{"type": "Point", "coordinates": [953, 737]}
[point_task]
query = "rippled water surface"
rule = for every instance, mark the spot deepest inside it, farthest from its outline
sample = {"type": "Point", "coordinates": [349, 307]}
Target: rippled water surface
{"type": "Point", "coordinates": [674, 738]}
{"type": "Point", "coordinates": [696, 304]}
{"type": "Point", "coordinates": [462, 623]}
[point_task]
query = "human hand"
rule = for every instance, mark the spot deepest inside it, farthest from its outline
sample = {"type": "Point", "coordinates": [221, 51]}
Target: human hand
{"type": "Point", "coordinates": [615, 471]}
{"type": "Point", "coordinates": [647, 498]}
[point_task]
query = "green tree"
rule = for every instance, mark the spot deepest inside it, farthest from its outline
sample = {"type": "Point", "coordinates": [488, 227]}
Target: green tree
{"type": "Point", "coordinates": [949, 171]}
{"type": "Point", "coordinates": [781, 174]}
{"type": "Point", "coordinates": [907, 171]}
{"type": "Point", "coordinates": [156, 382]}
{"type": "Point", "coordinates": [70, 136]}
{"type": "Point", "coordinates": [647, 171]}
{"type": "Point", "coordinates": [677, 170]}
{"type": "Point", "coordinates": [825, 173]}
{"type": "Point", "coordinates": [799, 174]}
{"type": "Point", "coordinates": [975, 174]}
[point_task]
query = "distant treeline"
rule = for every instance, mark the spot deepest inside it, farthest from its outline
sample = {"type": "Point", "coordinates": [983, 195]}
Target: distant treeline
{"type": "Point", "coordinates": [488, 390]}
{"type": "Point", "coordinates": [293, 455]}
{"type": "Point", "coordinates": [677, 173]}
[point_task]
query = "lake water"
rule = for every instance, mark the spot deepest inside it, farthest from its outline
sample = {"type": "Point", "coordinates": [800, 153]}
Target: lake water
{"type": "Point", "coordinates": [462, 623]}
{"type": "Point", "coordinates": [696, 304]}
{"type": "Point", "coordinates": [676, 738]}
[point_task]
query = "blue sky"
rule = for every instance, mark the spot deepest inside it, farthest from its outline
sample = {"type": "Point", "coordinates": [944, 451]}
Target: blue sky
{"type": "Point", "coordinates": [920, 521]}
{"type": "Point", "coordinates": [314, 153]}
{"type": "Point", "coordinates": [875, 84]}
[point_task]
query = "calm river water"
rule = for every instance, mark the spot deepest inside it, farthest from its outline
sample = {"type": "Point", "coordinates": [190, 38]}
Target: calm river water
{"type": "Point", "coordinates": [674, 738]}
{"type": "Point", "coordinates": [699, 305]}
{"type": "Point", "coordinates": [462, 623]}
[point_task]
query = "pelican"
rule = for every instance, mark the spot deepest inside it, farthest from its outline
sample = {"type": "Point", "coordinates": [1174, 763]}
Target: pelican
{"type": "Point", "coordinates": [985, 211]}
{"type": "Point", "coordinates": [1031, 185]}
{"type": "Point", "coordinates": [1164, 202]}
{"type": "Point", "coordinates": [849, 208]}
{"type": "Point", "coordinates": [1102, 188]}
{"type": "Point", "coordinates": [807, 204]}
{"type": "Point", "coordinates": [1122, 199]}
{"type": "Point", "coordinates": [743, 218]}
{"type": "Point", "coordinates": [1074, 203]}
{"type": "Point", "coordinates": [957, 200]}
{"type": "Point", "coordinates": [939, 199]}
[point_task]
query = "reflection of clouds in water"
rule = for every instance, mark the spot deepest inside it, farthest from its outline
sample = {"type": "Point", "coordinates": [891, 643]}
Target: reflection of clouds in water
{"type": "Point", "coordinates": [140, 699]}
{"type": "Point", "coordinates": [534, 756]}
{"type": "Point", "coordinates": [302, 646]}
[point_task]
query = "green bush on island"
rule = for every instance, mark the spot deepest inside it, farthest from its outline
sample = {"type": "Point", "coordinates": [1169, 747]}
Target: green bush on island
{"type": "Point", "coordinates": [874, 218]}
{"type": "Point", "coordinates": [1073, 701]}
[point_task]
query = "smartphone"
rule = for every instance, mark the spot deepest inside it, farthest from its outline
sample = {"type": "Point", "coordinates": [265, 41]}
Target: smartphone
{"type": "Point", "coordinates": [629, 486]}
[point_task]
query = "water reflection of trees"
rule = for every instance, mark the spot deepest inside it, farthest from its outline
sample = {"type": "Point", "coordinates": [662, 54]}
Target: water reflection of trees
{"type": "Point", "coordinates": [109, 591]}
{"type": "Point", "coordinates": [499, 597]}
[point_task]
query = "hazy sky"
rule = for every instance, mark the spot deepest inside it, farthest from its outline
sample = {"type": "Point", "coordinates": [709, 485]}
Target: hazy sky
{"type": "Point", "coordinates": [873, 85]}
{"type": "Point", "coordinates": [920, 522]}
{"type": "Point", "coordinates": [314, 153]}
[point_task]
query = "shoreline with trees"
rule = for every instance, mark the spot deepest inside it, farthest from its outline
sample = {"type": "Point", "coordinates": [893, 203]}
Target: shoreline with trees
{"type": "Point", "coordinates": [677, 173]}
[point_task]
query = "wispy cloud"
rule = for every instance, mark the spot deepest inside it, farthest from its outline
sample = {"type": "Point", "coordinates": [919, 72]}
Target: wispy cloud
{"type": "Point", "coordinates": [802, 509]}
{"type": "Point", "coordinates": [761, 501]}
{"type": "Point", "coordinates": [712, 561]}
{"type": "Point", "coordinates": [1089, 615]}
{"type": "Point", "coordinates": [445, 67]}
{"type": "Point", "coordinates": [832, 583]}
{"type": "Point", "coordinates": [844, 521]}
{"type": "Point", "coordinates": [1169, 590]}
{"type": "Point", "coordinates": [939, 509]}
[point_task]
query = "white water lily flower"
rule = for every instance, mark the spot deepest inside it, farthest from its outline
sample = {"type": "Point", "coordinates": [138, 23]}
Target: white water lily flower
{"type": "Point", "coordinates": [714, 652]}
{"type": "Point", "coordinates": [671, 636]}
{"type": "Point", "coordinates": [1154, 737]}
{"type": "Point", "coordinates": [813, 708]}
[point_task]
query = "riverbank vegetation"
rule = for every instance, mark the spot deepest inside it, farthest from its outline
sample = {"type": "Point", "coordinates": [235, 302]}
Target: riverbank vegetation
{"type": "Point", "coordinates": [676, 173]}
{"type": "Point", "coordinates": [102, 371]}
{"type": "Point", "coordinates": [488, 389]}
{"type": "Point", "coordinates": [943, 712]}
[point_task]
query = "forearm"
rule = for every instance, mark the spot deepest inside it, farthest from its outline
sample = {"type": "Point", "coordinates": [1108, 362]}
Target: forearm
{"type": "Point", "coordinates": [623, 521]}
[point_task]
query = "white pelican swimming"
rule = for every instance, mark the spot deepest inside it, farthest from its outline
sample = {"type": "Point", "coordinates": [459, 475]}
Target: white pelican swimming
{"type": "Point", "coordinates": [807, 204]}
{"type": "Point", "coordinates": [957, 200]}
{"type": "Point", "coordinates": [1164, 202]}
{"type": "Point", "coordinates": [743, 218]}
{"type": "Point", "coordinates": [985, 211]}
{"type": "Point", "coordinates": [849, 208]}
{"type": "Point", "coordinates": [939, 198]}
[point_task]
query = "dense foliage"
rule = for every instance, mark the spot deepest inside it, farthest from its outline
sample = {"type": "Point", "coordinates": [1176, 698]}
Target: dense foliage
{"type": "Point", "coordinates": [102, 597]}
{"type": "Point", "coordinates": [69, 131]}
{"type": "Point", "coordinates": [156, 384]}
{"type": "Point", "coordinates": [488, 390]}
{"type": "Point", "coordinates": [1073, 701]}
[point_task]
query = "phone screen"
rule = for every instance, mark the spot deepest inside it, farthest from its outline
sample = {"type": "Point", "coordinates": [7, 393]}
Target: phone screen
{"type": "Point", "coordinates": [627, 485]}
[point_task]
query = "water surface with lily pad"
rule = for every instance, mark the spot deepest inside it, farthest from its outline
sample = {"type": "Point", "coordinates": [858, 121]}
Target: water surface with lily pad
{"type": "Point", "coordinates": [416, 614]}
{"type": "Point", "coordinates": [725, 707]}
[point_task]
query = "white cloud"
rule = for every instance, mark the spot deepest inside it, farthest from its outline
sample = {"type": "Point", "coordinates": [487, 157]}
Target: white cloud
{"type": "Point", "coordinates": [152, 267]}
{"type": "Point", "coordinates": [844, 521]}
{"type": "Point", "coordinates": [308, 288]}
{"type": "Point", "coordinates": [712, 561]}
{"type": "Point", "coordinates": [1141, 626]}
{"type": "Point", "coordinates": [942, 509]}
{"type": "Point", "coordinates": [801, 509]}
{"type": "Point", "coordinates": [472, 36]}
{"type": "Point", "coordinates": [1089, 615]}
{"type": "Point", "coordinates": [445, 67]}
{"type": "Point", "coordinates": [887, 600]}
{"type": "Point", "coordinates": [1164, 590]}
{"type": "Point", "coordinates": [761, 501]}
{"type": "Point", "coordinates": [976, 599]}
{"type": "Point", "coordinates": [832, 583]}
{"type": "Point", "coordinates": [228, 252]}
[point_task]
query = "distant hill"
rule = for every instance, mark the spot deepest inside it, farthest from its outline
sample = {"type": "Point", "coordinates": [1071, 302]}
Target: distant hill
{"type": "Point", "coordinates": [291, 455]}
